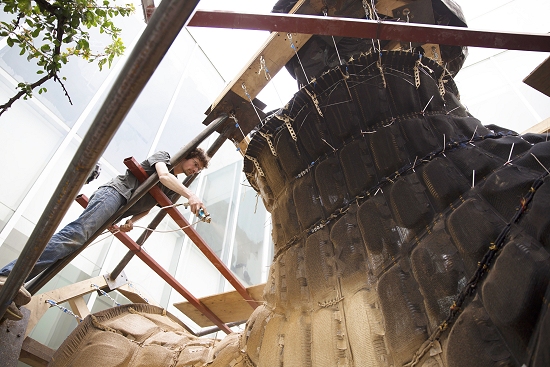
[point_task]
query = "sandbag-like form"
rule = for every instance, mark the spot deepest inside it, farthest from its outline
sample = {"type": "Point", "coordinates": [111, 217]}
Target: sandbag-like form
{"type": "Point", "coordinates": [142, 335]}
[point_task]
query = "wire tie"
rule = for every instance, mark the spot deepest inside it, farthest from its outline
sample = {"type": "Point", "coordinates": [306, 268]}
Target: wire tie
{"type": "Point", "coordinates": [424, 109]}
{"type": "Point", "coordinates": [509, 161]}
{"type": "Point", "coordinates": [472, 138]}
{"type": "Point", "coordinates": [542, 165]}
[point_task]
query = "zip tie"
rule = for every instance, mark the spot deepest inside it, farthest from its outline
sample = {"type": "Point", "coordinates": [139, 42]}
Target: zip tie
{"type": "Point", "coordinates": [472, 138]}
{"type": "Point", "coordinates": [426, 106]}
{"type": "Point", "coordinates": [540, 163]}
{"type": "Point", "coordinates": [328, 144]}
{"type": "Point", "coordinates": [509, 161]}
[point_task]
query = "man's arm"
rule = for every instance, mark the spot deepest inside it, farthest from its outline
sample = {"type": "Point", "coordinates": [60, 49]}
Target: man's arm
{"type": "Point", "coordinates": [172, 182]}
{"type": "Point", "coordinates": [129, 225]}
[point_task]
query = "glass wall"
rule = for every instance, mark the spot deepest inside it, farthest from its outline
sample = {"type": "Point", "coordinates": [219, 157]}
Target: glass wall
{"type": "Point", "coordinates": [39, 137]}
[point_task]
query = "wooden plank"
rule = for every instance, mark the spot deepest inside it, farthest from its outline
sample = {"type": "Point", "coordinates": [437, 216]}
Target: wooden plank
{"type": "Point", "coordinates": [79, 307]}
{"type": "Point", "coordinates": [136, 294]}
{"type": "Point", "coordinates": [71, 293]}
{"type": "Point", "coordinates": [540, 78]}
{"type": "Point", "coordinates": [38, 305]}
{"type": "Point", "coordinates": [540, 128]}
{"type": "Point", "coordinates": [275, 53]}
{"type": "Point", "coordinates": [229, 306]}
{"type": "Point", "coordinates": [236, 97]}
{"type": "Point", "coordinates": [35, 354]}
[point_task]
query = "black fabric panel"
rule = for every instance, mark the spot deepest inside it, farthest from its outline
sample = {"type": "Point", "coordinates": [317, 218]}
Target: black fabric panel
{"type": "Point", "coordinates": [503, 146]}
{"type": "Point", "coordinates": [358, 167]}
{"type": "Point", "coordinates": [410, 206]}
{"type": "Point", "coordinates": [379, 232]}
{"type": "Point", "coordinates": [419, 138]}
{"type": "Point", "coordinates": [443, 182]}
{"type": "Point", "coordinates": [475, 341]}
{"type": "Point", "coordinates": [308, 202]}
{"type": "Point", "coordinates": [521, 270]}
{"type": "Point", "coordinates": [332, 186]}
{"type": "Point", "coordinates": [440, 274]}
{"type": "Point", "coordinates": [469, 159]}
{"type": "Point", "coordinates": [505, 188]}
{"type": "Point", "coordinates": [537, 219]}
{"type": "Point", "coordinates": [473, 226]}
{"type": "Point", "coordinates": [400, 296]}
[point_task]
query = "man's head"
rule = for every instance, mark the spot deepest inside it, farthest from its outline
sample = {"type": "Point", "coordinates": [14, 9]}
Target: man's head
{"type": "Point", "coordinates": [195, 161]}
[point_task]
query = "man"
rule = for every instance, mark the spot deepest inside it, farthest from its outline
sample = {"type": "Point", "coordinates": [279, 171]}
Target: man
{"type": "Point", "coordinates": [106, 201]}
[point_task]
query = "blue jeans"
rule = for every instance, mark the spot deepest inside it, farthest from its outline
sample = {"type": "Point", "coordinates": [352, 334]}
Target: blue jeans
{"type": "Point", "coordinates": [103, 204]}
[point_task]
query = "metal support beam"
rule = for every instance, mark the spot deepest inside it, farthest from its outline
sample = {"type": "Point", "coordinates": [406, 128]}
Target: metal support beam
{"type": "Point", "coordinates": [153, 44]}
{"type": "Point", "coordinates": [362, 28]}
{"type": "Point", "coordinates": [157, 268]}
{"type": "Point", "coordinates": [193, 235]}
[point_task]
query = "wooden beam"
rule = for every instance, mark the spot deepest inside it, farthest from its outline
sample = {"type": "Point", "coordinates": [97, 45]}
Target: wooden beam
{"type": "Point", "coordinates": [79, 307]}
{"type": "Point", "coordinates": [229, 306]}
{"type": "Point", "coordinates": [540, 78]}
{"type": "Point", "coordinates": [71, 293]}
{"type": "Point", "coordinates": [38, 305]}
{"type": "Point", "coordinates": [540, 128]}
{"type": "Point", "coordinates": [35, 354]}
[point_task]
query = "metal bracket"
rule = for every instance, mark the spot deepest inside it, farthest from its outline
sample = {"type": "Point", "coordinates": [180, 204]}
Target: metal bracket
{"type": "Point", "coordinates": [120, 280]}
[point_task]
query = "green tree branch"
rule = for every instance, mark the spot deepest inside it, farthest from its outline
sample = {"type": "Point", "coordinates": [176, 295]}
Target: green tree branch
{"type": "Point", "coordinates": [61, 27]}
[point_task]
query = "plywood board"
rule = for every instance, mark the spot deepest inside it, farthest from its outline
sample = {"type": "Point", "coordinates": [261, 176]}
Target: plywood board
{"type": "Point", "coordinates": [229, 306]}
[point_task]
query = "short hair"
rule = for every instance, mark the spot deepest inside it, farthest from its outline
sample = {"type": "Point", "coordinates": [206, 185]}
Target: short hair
{"type": "Point", "coordinates": [201, 155]}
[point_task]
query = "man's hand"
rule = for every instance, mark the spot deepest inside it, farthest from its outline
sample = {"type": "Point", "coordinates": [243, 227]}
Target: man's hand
{"type": "Point", "coordinates": [195, 203]}
{"type": "Point", "coordinates": [127, 227]}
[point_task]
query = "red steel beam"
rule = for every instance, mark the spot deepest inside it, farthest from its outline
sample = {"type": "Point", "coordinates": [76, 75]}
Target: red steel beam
{"type": "Point", "coordinates": [362, 28]}
{"type": "Point", "coordinates": [168, 278]}
{"type": "Point", "coordinates": [164, 201]}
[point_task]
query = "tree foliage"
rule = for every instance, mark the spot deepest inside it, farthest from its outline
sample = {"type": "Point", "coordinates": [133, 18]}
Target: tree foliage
{"type": "Point", "coordinates": [51, 32]}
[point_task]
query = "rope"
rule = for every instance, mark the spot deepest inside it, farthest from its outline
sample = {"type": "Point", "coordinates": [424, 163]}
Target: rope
{"type": "Point", "coordinates": [103, 293]}
{"type": "Point", "coordinates": [131, 285]}
{"type": "Point", "coordinates": [52, 303]}
{"type": "Point", "coordinates": [298, 57]}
